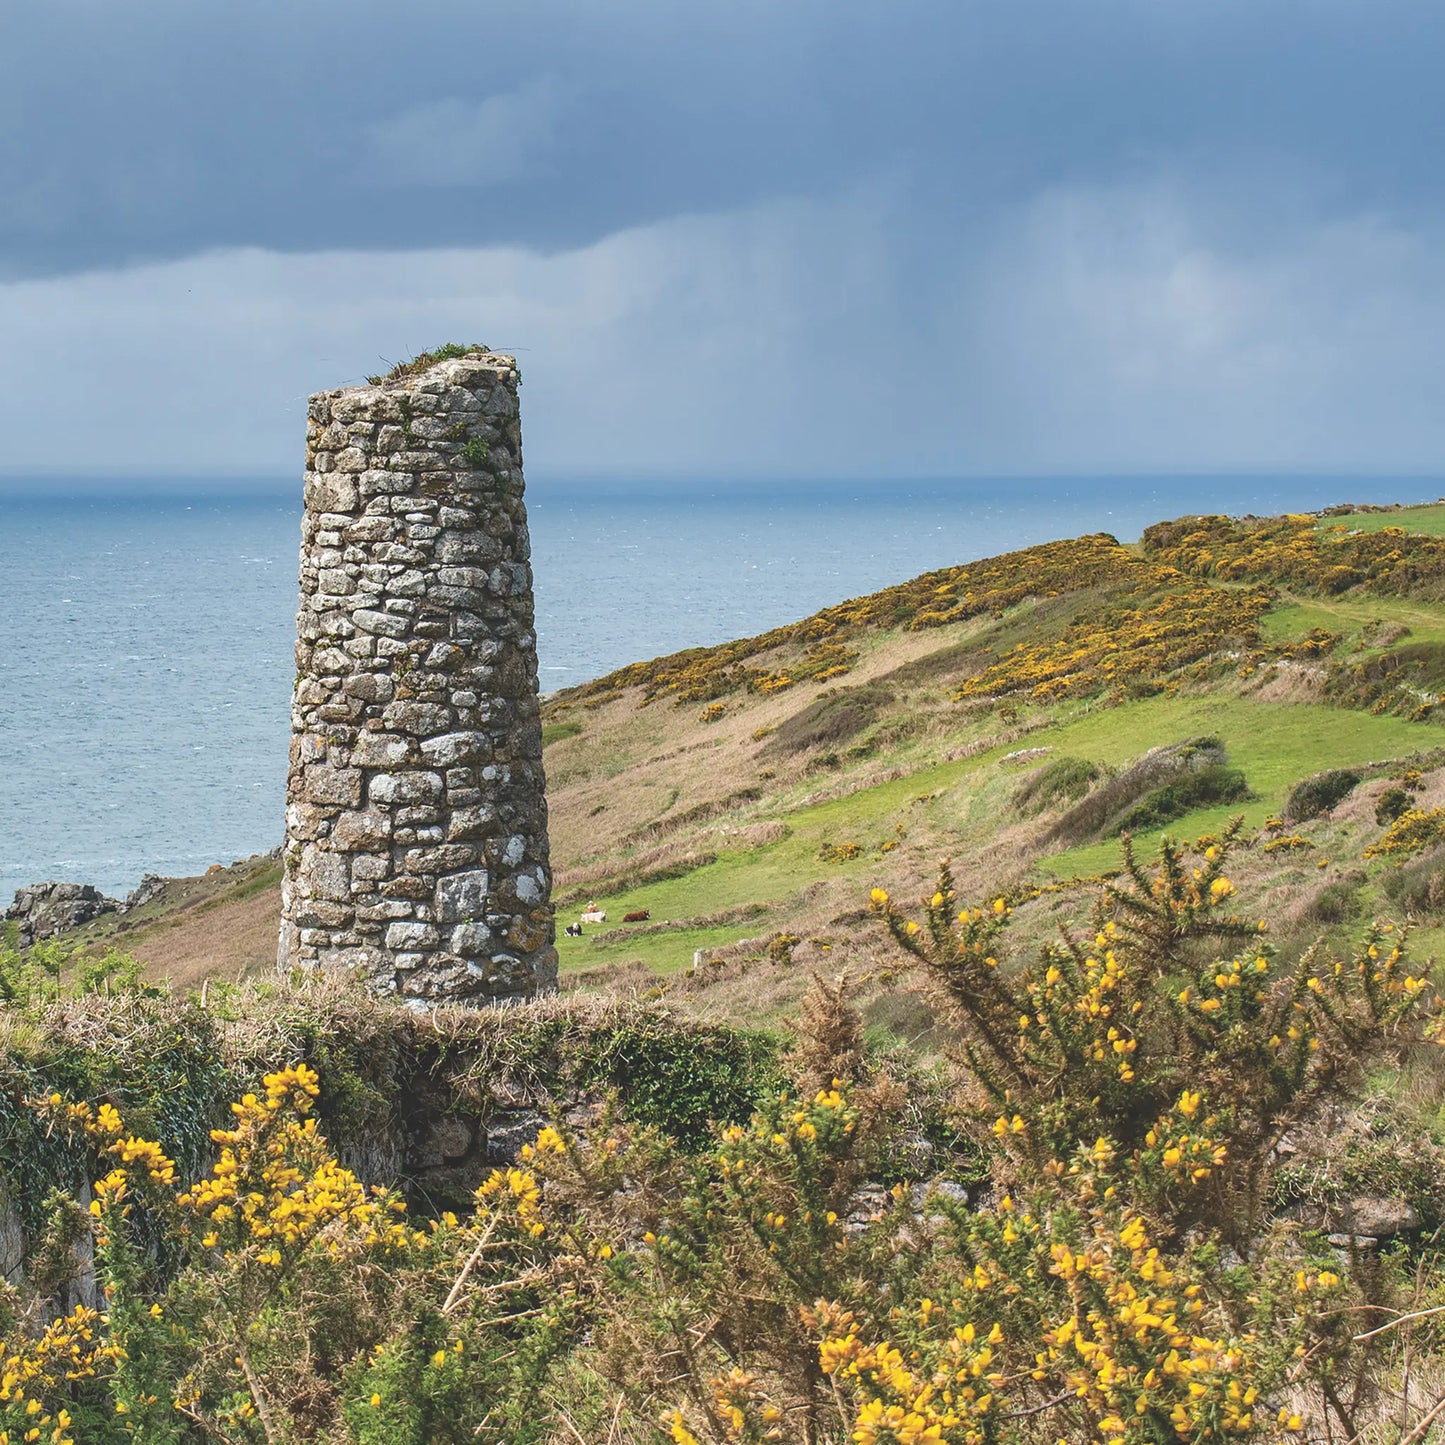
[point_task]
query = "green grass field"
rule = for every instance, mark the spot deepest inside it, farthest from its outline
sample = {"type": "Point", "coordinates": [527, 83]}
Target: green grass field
{"type": "Point", "coordinates": [1294, 617]}
{"type": "Point", "coordinates": [661, 952]}
{"type": "Point", "coordinates": [1275, 744]}
{"type": "Point", "coordinates": [1428, 520]}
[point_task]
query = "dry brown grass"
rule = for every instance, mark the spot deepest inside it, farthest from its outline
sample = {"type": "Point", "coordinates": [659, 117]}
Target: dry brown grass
{"type": "Point", "coordinates": [230, 941]}
{"type": "Point", "coordinates": [633, 771]}
{"type": "Point", "coordinates": [1291, 682]}
{"type": "Point", "coordinates": [613, 875]}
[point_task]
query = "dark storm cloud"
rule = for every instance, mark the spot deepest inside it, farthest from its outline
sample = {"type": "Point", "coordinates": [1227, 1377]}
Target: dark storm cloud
{"type": "Point", "coordinates": [157, 128]}
{"type": "Point", "coordinates": [733, 237]}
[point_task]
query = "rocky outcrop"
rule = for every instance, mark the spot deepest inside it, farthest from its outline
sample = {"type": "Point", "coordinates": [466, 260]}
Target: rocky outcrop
{"type": "Point", "coordinates": [150, 887]}
{"type": "Point", "coordinates": [416, 831]}
{"type": "Point", "coordinates": [46, 909]}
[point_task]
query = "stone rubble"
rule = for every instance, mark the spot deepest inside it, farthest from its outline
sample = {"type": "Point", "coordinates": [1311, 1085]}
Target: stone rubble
{"type": "Point", "coordinates": [416, 828]}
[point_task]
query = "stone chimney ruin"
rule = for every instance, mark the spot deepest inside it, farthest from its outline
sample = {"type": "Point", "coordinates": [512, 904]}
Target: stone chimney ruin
{"type": "Point", "coordinates": [416, 827]}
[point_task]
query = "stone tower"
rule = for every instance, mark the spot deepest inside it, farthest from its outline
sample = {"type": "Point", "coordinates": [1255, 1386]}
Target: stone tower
{"type": "Point", "coordinates": [416, 827]}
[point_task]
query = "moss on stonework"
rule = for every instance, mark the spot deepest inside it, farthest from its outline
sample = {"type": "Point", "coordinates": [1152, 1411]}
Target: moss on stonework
{"type": "Point", "coordinates": [450, 351]}
{"type": "Point", "coordinates": [172, 1065]}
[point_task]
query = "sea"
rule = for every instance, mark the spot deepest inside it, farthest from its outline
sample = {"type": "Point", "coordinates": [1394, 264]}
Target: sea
{"type": "Point", "coordinates": [146, 627]}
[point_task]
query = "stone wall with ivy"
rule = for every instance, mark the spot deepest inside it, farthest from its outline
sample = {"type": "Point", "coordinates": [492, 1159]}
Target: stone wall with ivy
{"type": "Point", "coordinates": [416, 828]}
{"type": "Point", "coordinates": [426, 1102]}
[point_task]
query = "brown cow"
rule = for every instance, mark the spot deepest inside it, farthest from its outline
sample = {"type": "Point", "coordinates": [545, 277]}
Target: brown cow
{"type": "Point", "coordinates": [638, 915]}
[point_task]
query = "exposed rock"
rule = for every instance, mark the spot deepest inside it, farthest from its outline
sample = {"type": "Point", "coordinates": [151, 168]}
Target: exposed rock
{"type": "Point", "coordinates": [949, 1189]}
{"type": "Point", "coordinates": [14, 1245]}
{"type": "Point", "coordinates": [45, 909]}
{"type": "Point", "coordinates": [447, 1139]}
{"type": "Point", "coordinates": [1382, 1218]}
{"type": "Point", "coordinates": [867, 1205]}
{"type": "Point", "coordinates": [508, 1132]}
{"type": "Point", "coordinates": [150, 887]}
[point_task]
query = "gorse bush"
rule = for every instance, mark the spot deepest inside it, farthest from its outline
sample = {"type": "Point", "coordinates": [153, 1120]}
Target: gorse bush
{"type": "Point", "coordinates": [1143, 790]}
{"type": "Point", "coordinates": [1319, 794]}
{"type": "Point", "coordinates": [1129, 644]}
{"type": "Point", "coordinates": [1406, 680]}
{"type": "Point", "coordinates": [1203, 789]}
{"type": "Point", "coordinates": [1417, 886]}
{"type": "Point", "coordinates": [1296, 551]}
{"type": "Point", "coordinates": [298, 1294]}
{"type": "Point", "coordinates": [1412, 832]}
{"type": "Point", "coordinates": [1118, 1273]}
{"type": "Point", "coordinates": [1140, 1023]}
{"type": "Point", "coordinates": [1064, 780]}
{"type": "Point", "coordinates": [1392, 803]}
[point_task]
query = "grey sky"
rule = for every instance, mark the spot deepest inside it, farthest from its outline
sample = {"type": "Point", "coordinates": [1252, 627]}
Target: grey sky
{"type": "Point", "coordinates": [754, 237]}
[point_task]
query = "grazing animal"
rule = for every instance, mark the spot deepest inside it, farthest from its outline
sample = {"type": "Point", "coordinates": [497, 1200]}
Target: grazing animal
{"type": "Point", "coordinates": [638, 915]}
{"type": "Point", "coordinates": [573, 930]}
{"type": "Point", "coordinates": [594, 915]}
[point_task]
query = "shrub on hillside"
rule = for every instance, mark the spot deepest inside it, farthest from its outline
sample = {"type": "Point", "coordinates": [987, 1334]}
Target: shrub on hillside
{"type": "Point", "coordinates": [1296, 551]}
{"type": "Point", "coordinates": [1207, 788]}
{"type": "Point", "coordinates": [1137, 1083]}
{"type": "Point", "coordinates": [1247, 1030]}
{"type": "Point", "coordinates": [1101, 812]}
{"type": "Point", "coordinates": [1412, 832]}
{"type": "Point", "coordinates": [834, 718]}
{"type": "Point", "coordinates": [1417, 887]}
{"type": "Point", "coordinates": [1337, 902]}
{"type": "Point", "coordinates": [1406, 680]}
{"type": "Point", "coordinates": [1319, 794]}
{"type": "Point", "coordinates": [1129, 643]}
{"type": "Point", "coordinates": [1393, 803]}
{"type": "Point", "coordinates": [1064, 780]}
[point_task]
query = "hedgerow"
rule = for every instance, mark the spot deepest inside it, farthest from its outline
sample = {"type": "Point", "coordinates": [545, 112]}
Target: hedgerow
{"type": "Point", "coordinates": [1202, 789]}
{"type": "Point", "coordinates": [1064, 780]}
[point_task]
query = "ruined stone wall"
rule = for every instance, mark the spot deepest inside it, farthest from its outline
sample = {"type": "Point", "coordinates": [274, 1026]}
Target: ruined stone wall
{"type": "Point", "coordinates": [416, 828]}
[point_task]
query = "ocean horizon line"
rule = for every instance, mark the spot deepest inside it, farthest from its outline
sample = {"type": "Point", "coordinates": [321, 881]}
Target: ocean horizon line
{"type": "Point", "coordinates": [208, 486]}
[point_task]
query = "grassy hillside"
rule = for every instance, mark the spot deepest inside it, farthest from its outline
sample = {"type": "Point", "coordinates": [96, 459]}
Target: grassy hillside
{"type": "Point", "coordinates": [1175, 1175]}
{"type": "Point", "coordinates": [740, 792]}
{"type": "Point", "coordinates": [748, 796]}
